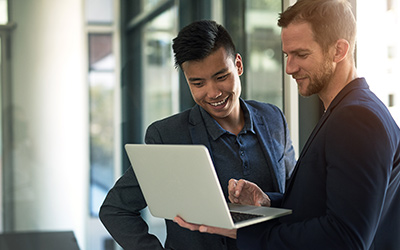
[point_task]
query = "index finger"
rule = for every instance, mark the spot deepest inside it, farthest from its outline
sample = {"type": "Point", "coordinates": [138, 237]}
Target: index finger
{"type": "Point", "coordinates": [239, 187]}
{"type": "Point", "coordinates": [231, 185]}
{"type": "Point", "coordinates": [231, 190]}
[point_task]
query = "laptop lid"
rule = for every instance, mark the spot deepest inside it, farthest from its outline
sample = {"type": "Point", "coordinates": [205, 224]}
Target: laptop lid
{"type": "Point", "coordinates": [181, 180]}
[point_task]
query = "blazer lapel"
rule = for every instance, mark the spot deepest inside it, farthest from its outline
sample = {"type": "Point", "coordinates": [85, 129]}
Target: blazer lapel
{"type": "Point", "coordinates": [305, 148]}
{"type": "Point", "coordinates": [355, 84]}
{"type": "Point", "coordinates": [198, 130]}
{"type": "Point", "coordinates": [263, 133]}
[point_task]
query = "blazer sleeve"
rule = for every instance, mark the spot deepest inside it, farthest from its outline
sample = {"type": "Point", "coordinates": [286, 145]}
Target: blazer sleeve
{"type": "Point", "coordinates": [357, 156]}
{"type": "Point", "coordinates": [120, 211]}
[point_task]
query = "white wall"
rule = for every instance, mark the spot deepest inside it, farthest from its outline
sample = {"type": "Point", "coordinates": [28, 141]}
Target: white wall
{"type": "Point", "coordinates": [51, 119]}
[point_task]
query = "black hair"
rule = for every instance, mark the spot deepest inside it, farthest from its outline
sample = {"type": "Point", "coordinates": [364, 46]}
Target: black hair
{"type": "Point", "coordinates": [199, 39]}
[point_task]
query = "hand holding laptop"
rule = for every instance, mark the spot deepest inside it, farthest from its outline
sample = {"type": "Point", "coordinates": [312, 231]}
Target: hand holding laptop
{"type": "Point", "coordinates": [247, 193]}
{"type": "Point", "coordinates": [174, 171]}
{"type": "Point", "coordinates": [240, 192]}
{"type": "Point", "coordinates": [231, 233]}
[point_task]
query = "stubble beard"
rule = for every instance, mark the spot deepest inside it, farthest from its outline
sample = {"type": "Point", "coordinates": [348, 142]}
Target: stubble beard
{"type": "Point", "coordinates": [320, 79]}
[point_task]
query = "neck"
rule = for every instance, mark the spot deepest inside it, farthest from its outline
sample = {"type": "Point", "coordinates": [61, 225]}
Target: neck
{"type": "Point", "coordinates": [344, 73]}
{"type": "Point", "coordinates": [234, 123]}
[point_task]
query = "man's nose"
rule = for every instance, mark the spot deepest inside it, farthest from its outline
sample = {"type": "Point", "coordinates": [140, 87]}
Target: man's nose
{"type": "Point", "coordinates": [213, 91]}
{"type": "Point", "coordinates": [291, 66]}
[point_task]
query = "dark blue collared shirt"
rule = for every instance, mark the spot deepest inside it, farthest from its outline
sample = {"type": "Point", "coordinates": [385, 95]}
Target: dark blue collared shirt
{"type": "Point", "coordinates": [238, 157]}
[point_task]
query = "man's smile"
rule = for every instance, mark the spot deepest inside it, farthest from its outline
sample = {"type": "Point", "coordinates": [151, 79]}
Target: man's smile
{"type": "Point", "coordinates": [215, 104]}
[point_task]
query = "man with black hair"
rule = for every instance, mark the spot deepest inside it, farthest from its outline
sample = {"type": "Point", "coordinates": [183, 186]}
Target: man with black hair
{"type": "Point", "coordinates": [246, 139]}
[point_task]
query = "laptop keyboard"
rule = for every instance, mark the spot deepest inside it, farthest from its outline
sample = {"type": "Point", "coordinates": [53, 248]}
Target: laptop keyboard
{"type": "Point", "coordinates": [237, 217]}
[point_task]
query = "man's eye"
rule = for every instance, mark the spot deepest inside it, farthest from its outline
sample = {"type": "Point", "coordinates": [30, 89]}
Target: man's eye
{"type": "Point", "coordinates": [196, 84]}
{"type": "Point", "coordinates": [302, 55]}
{"type": "Point", "coordinates": [221, 78]}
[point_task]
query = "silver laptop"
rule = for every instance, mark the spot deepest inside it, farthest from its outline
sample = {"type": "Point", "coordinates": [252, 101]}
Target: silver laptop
{"type": "Point", "coordinates": [181, 180]}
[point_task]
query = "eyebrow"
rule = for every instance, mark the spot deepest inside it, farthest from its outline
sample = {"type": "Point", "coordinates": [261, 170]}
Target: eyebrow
{"type": "Point", "coordinates": [297, 51]}
{"type": "Point", "coordinates": [193, 79]}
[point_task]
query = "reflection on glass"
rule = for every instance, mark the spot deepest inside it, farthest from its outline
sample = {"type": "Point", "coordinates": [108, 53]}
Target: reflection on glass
{"type": "Point", "coordinates": [263, 70]}
{"type": "Point", "coordinates": [149, 4]}
{"type": "Point", "coordinates": [160, 84]}
{"type": "Point", "coordinates": [101, 91]}
{"type": "Point", "coordinates": [3, 12]}
{"type": "Point", "coordinates": [101, 57]}
{"type": "Point", "coordinates": [99, 11]}
{"type": "Point", "coordinates": [160, 78]}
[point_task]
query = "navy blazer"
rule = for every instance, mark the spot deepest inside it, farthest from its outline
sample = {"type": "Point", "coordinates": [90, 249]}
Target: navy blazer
{"type": "Point", "coordinates": [120, 210]}
{"type": "Point", "coordinates": [344, 190]}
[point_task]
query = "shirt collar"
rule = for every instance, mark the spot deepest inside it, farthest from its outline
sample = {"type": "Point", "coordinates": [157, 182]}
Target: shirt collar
{"type": "Point", "coordinates": [215, 130]}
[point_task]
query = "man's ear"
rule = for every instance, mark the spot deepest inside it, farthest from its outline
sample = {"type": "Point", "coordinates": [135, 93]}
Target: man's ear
{"type": "Point", "coordinates": [342, 49]}
{"type": "Point", "coordinates": [239, 64]}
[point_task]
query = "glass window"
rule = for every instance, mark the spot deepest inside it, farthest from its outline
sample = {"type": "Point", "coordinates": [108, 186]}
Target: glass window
{"type": "Point", "coordinates": [1, 142]}
{"type": "Point", "coordinates": [378, 50]}
{"type": "Point", "coordinates": [3, 12]}
{"type": "Point", "coordinates": [160, 84]}
{"type": "Point", "coordinates": [263, 69]}
{"type": "Point", "coordinates": [101, 91]}
{"type": "Point", "coordinates": [0, 65]}
{"type": "Point", "coordinates": [149, 4]}
{"type": "Point", "coordinates": [99, 11]}
{"type": "Point", "coordinates": [1, 122]}
{"type": "Point", "coordinates": [160, 80]}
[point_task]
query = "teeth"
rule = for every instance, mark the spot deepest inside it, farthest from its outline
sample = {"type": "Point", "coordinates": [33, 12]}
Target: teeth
{"type": "Point", "coordinates": [218, 103]}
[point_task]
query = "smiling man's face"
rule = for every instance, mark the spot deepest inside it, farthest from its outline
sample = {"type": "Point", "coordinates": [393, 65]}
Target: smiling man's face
{"type": "Point", "coordinates": [215, 84]}
{"type": "Point", "coordinates": [306, 63]}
